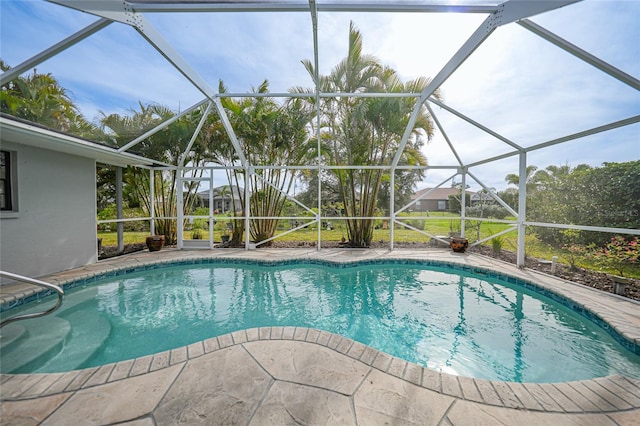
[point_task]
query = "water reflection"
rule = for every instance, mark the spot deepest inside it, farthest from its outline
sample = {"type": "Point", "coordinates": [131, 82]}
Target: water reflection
{"type": "Point", "coordinates": [462, 324]}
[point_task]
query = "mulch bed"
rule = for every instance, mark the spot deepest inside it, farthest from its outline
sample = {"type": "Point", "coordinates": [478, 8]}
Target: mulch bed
{"type": "Point", "coordinates": [594, 279]}
{"type": "Point", "coordinates": [112, 251]}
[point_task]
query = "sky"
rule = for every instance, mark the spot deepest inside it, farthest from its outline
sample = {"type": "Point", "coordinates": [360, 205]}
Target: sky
{"type": "Point", "coordinates": [515, 83]}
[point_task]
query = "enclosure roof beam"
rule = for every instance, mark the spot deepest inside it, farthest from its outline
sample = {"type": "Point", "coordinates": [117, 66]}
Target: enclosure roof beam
{"type": "Point", "coordinates": [507, 12]}
{"type": "Point", "coordinates": [288, 6]}
{"type": "Point", "coordinates": [155, 39]}
{"type": "Point", "coordinates": [469, 46]}
{"type": "Point", "coordinates": [320, 94]}
{"type": "Point", "coordinates": [161, 126]}
{"type": "Point", "coordinates": [589, 132]}
{"type": "Point", "coordinates": [493, 195]}
{"type": "Point", "coordinates": [183, 157]}
{"type": "Point", "coordinates": [122, 11]}
{"type": "Point", "coordinates": [232, 135]}
{"type": "Point", "coordinates": [476, 124]}
{"type": "Point", "coordinates": [495, 158]}
{"type": "Point", "coordinates": [14, 72]}
{"type": "Point", "coordinates": [444, 133]}
{"type": "Point", "coordinates": [580, 53]}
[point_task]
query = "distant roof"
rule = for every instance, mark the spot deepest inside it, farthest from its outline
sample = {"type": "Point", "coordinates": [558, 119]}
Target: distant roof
{"type": "Point", "coordinates": [219, 190]}
{"type": "Point", "coordinates": [437, 193]}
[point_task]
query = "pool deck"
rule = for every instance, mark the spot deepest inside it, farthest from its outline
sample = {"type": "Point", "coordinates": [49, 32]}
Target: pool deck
{"type": "Point", "coordinates": [290, 375]}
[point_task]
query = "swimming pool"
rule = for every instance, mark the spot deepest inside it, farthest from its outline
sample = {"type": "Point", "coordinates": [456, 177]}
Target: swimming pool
{"type": "Point", "coordinates": [458, 321]}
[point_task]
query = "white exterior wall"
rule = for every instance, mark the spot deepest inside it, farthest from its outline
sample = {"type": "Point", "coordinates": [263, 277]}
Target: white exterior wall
{"type": "Point", "coordinates": [55, 226]}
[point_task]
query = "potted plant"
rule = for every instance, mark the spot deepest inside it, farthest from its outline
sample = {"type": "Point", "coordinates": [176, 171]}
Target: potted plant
{"type": "Point", "coordinates": [196, 233]}
{"type": "Point", "coordinates": [459, 245]}
{"type": "Point", "coordinates": [155, 242]}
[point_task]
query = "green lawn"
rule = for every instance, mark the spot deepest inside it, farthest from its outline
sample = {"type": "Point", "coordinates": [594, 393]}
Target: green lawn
{"type": "Point", "coordinates": [111, 238]}
{"type": "Point", "coordinates": [436, 224]}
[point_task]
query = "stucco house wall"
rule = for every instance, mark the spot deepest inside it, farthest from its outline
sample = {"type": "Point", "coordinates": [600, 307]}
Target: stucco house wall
{"type": "Point", "coordinates": [54, 228]}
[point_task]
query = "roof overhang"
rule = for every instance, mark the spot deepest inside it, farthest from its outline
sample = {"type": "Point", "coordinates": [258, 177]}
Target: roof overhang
{"type": "Point", "coordinates": [22, 133]}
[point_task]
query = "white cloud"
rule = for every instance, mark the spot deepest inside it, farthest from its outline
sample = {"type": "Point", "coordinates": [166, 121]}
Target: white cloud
{"type": "Point", "coordinates": [515, 83]}
{"type": "Point", "coordinates": [420, 45]}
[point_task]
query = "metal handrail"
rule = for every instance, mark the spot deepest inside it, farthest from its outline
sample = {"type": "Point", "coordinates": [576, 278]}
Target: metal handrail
{"type": "Point", "coordinates": [33, 281]}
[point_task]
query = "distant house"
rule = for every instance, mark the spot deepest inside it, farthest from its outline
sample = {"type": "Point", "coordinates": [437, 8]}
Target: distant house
{"type": "Point", "coordinates": [436, 200]}
{"type": "Point", "coordinates": [224, 197]}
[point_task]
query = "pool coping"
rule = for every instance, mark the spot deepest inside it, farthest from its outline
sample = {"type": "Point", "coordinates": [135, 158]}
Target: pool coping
{"type": "Point", "coordinates": [602, 395]}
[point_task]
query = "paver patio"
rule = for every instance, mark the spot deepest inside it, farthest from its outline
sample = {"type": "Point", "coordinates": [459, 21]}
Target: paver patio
{"type": "Point", "coordinates": [288, 375]}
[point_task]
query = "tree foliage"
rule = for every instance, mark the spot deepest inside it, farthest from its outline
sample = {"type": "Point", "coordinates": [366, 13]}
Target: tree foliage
{"type": "Point", "coordinates": [606, 196]}
{"type": "Point", "coordinates": [41, 99]}
{"type": "Point", "coordinates": [166, 146]}
{"type": "Point", "coordinates": [269, 134]}
{"type": "Point", "coordinates": [367, 132]}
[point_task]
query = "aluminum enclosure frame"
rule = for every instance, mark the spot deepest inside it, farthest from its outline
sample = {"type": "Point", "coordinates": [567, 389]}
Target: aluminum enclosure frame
{"type": "Point", "coordinates": [132, 13]}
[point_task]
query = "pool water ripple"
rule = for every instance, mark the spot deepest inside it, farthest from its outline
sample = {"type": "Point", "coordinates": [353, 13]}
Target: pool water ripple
{"type": "Point", "coordinates": [447, 319]}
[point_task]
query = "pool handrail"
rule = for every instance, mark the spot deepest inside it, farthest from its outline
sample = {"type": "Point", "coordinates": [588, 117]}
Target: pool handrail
{"type": "Point", "coordinates": [59, 291]}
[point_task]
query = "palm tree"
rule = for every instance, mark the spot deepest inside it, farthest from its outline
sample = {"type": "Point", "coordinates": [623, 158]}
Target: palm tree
{"type": "Point", "coordinates": [367, 131]}
{"type": "Point", "coordinates": [167, 146]}
{"type": "Point", "coordinates": [532, 179]}
{"type": "Point", "coordinates": [269, 134]}
{"type": "Point", "coordinates": [41, 99]}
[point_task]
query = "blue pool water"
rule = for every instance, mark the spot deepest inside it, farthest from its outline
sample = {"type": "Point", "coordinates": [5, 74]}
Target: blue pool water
{"type": "Point", "coordinates": [448, 320]}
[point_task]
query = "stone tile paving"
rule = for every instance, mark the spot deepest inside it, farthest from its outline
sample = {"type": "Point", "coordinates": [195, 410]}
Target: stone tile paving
{"type": "Point", "coordinates": [285, 381]}
{"type": "Point", "coordinates": [289, 375]}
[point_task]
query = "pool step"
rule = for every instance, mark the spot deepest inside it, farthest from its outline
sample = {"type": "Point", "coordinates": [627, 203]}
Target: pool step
{"type": "Point", "coordinates": [10, 334]}
{"type": "Point", "coordinates": [89, 332]}
{"type": "Point", "coordinates": [33, 340]}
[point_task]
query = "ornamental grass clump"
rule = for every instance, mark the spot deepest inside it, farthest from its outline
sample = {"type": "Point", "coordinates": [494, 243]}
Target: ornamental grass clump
{"type": "Point", "coordinates": [496, 244]}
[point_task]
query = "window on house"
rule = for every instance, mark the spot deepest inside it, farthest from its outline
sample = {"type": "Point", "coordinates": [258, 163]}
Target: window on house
{"type": "Point", "coordinates": [6, 189]}
{"type": "Point", "coordinates": [442, 205]}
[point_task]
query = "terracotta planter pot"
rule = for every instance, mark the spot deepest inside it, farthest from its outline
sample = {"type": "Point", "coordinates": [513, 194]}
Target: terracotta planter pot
{"type": "Point", "coordinates": [155, 242]}
{"type": "Point", "coordinates": [459, 245]}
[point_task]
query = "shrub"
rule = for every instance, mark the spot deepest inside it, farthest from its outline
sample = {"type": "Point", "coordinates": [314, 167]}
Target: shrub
{"type": "Point", "coordinates": [619, 254]}
{"type": "Point", "coordinates": [577, 252]}
{"type": "Point", "coordinates": [492, 210]}
{"type": "Point", "coordinates": [406, 218]}
{"type": "Point", "coordinates": [416, 223]}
